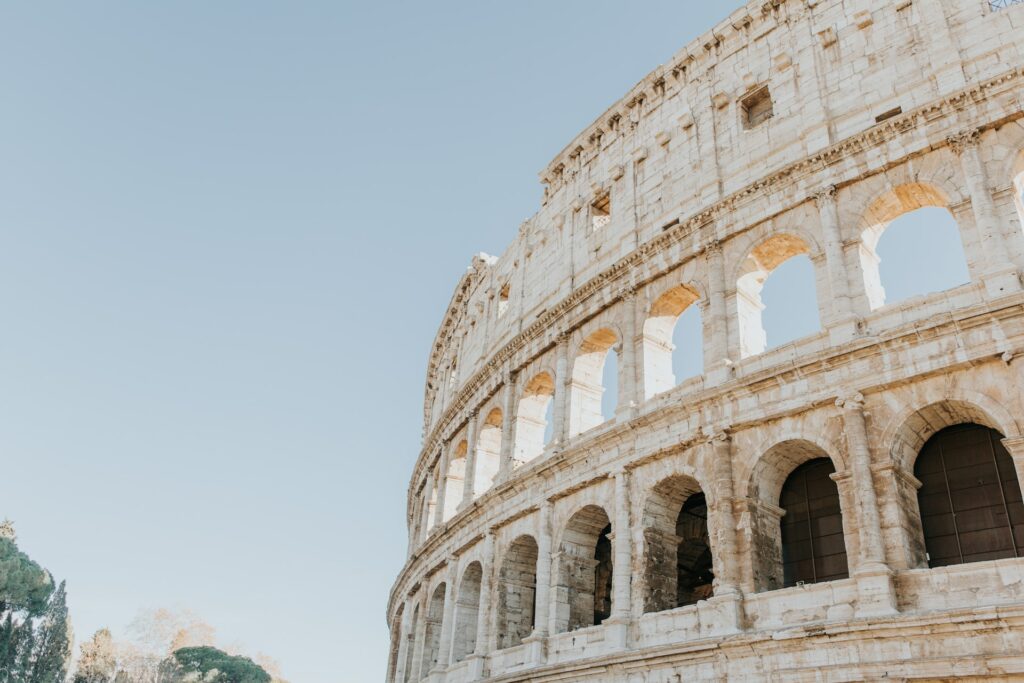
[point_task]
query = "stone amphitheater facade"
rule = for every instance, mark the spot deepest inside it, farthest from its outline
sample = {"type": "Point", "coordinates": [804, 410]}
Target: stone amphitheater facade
{"type": "Point", "coordinates": [843, 507]}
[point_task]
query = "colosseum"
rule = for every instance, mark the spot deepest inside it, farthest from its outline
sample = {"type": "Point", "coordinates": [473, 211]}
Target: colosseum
{"type": "Point", "coordinates": [844, 506]}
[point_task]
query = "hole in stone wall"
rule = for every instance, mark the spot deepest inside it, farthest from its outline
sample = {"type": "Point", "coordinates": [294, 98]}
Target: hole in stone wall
{"type": "Point", "coordinates": [601, 212]}
{"type": "Point", "coordinates": [757, 107]}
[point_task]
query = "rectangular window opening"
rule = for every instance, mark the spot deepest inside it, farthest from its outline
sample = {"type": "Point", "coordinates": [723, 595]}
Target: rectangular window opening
{"type": "Point", "coordinates": [601, 212]}
{"type": "Point", "coordinates": [757, 108]}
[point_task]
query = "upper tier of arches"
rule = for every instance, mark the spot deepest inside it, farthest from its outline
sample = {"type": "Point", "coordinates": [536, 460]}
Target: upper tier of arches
{"type": "Point", "coordinates": [677, 151]}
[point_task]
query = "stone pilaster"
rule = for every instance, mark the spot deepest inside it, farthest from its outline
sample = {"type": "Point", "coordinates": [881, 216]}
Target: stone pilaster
{"type": "Point", "coordinates": [404, 643]}
{"type": "Point", "coordinates": [1015, 447]}
{"type": "Point", "coordinates": [999, 276]}
{"type": "Point", "coordinates": [508, 417]}
{"type": "Point", "coordinates": [444, 652]}
{"type": "Point", "coordinates": [471, 445]}
{"type": "Point", "coordinates": [442, 484]}
{"type": "Point", "coordinates": [560, 417]}
{"type": "Point", "coordinates": [842, 321]}
{"type": "Point", "coordinates": [617, 626]}
{"type": "Point", "coordinates": [877, 594]}
{"type": "Point", "coordinates": [419, 640]}
{"type": "Point", "coordinates": [537, 641]}
{"type": "Point", "coordinates": [717, 364]}
{"type": "Point", "coordinates": [726, 578]}
{"type": "Point", "coordinates": [630, 390]}
{"type": "Point", "coordinates": [478, 660]}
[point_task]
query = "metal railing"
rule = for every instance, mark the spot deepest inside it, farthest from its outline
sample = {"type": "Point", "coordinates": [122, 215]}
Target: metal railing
{"type": "Point", "coordinates": [996, 5]}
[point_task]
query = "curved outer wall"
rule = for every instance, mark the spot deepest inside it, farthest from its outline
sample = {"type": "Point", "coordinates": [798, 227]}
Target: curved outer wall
{"type": "Point", "coordinates": [876, 108]}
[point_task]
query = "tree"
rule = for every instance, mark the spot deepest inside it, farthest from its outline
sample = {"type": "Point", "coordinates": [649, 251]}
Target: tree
{"type": "Point", "coordinates": [24, 585]}
{"type": "Point", "coordinates": [98, 660]}
{"type": "Point", "coordinates": [51, 649]}
{"type": "Point", "coordinates": [213, 666]}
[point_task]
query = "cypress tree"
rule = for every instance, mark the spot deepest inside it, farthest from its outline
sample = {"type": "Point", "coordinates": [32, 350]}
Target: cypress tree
{"type": "Point", "coordinates": [52, 648]}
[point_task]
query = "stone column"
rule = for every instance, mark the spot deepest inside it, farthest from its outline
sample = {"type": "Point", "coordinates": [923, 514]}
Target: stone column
{"type": "Point", "coordinates": [1015, 447]}
{"type": "Point", "coordinates": [420, 637]}
{"type": "Point", "coordinates": [428, 510]}
{"type": "Point", "coordinates": [442, 484]}
{"type": "Point", "coordinates": [999, 275]}
{"type": "Point", "coordinates": [403, 644]}
{"type": "Point", "coordinates": [560, 417]}
{"type": "Point", "coordinates": [717, 365]}
{"type": "Point", "coordinates": [538, 639]}
{"type": "Point", "coordinates": [727, 565]}
{"type": "Point", "coordinates": [843, 324]}
{"type": "Point", "coordinates": [508, 417]}
{"type": "Point", "coordinates": [874, 577]}
{"type": "Point", "coordinates": [622, 564]}
{"type": "Point", "coordinates": [629, 370]}
{"type": "Point", "coordinates": [478, 660]}
{"type": "Point", "coordinates": [444, 652]}
{"type": "Point", "coordinates": [470, 480]}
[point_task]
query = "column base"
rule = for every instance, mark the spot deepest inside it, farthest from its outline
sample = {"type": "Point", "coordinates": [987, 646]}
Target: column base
{"type": "Point", "coordinates": [1002, 282]}
{"type": "Point", "coordinates": [435, 676]}
{"type": "Point", "coordinates": [720, 374]}
{"type": "Point", "coordinates": [876, 591]}
{"type": "Point", "coordinates": [537, 645]}
{"type": "Point", "coordinates": [845, 329]}
{"type": "Point", "coordinates": [721, 615]}
{"type": "Point", "coordinates": [477, 667]}
{"type": "Point", "coordinates": [616, 632]}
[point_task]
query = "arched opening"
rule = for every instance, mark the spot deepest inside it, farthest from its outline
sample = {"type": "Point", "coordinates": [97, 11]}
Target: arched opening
{"type": "Point", "coordinates": [911, 245]}
{"type": "Point", "coordinates": [672, 341]}
{"type": "Point", "coordinates": [456, 481]}
{"type": "Point", "coordinates": [776, 310]}
{"type": "Point", "coordinates": [813, 545]}
{"type": "Point", "coordinates": [488, 452]}
{"type": "Point", "coordinates": [592, 399]}
{"type": "Point", "coordinates": [396, 643]}
{"type": "Point", "coordinates": [796, 530]}
{"type": "Point", "coordinates": [517, 593]}
{"type": "Point", "coordinates": [432, 633]}
{"type": "Point", "coordinates": [467, 613]}
{"type": "Point", "coordinates": [583, 587]}
{"type": "Point", "coordinates": [678, 568]}
{"type": "Point", "coordinates": [970, 497]}
{"type": "Point", "coordinates": [410, 649]}
{"type": "Point", "coordinates": [533, 418]}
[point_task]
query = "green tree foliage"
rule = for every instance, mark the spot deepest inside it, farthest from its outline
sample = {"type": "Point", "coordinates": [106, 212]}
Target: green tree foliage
{"type": "Point", "coordinates": [51, 650]}
{"type": "Point", "coordinates": [35, 636]}
{"type": "Point", "coordinates": [24, 585]}
{"type": "Point", "coordinates": [213, 666]}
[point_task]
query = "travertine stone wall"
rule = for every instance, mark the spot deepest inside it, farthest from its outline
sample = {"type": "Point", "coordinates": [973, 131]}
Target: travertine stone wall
{"type": "Point", "coordinates": [794, 127]}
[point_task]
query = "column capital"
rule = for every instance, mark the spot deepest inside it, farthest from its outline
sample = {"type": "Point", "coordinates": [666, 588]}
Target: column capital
{"type": "Point", "coordinates": [850, 401]}
{"type": "Point", "coordinates": [719, 436]}
{"type": "Point", "coordinates": [964, 140]}
{"type": "Point", "coordinates": [825, 195]}
{"type": "Point", "coordinates": [713, 248]}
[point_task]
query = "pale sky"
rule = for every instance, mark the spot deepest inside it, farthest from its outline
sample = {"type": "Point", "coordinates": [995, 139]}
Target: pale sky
{"type": "Point", "coordinates": [228, 232]}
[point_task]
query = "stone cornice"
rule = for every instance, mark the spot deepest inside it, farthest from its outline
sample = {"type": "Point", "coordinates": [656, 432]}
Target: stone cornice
{"type": "Point", "coordinates": [547, 324]}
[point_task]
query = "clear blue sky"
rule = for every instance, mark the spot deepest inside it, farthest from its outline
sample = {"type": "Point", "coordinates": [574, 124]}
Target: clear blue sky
{"type": "Point", "coordinates": [228, 232]}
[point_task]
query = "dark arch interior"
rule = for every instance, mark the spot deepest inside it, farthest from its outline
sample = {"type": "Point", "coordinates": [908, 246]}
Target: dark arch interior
{"type": "Point", "coordinates": [813, 548]}
{"type": "Point", "coordinates": [603, 577]}
{"type": "Point", "coordinates": [693, 555]}
{"type": "Point", "coordinates": [970, 498]}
